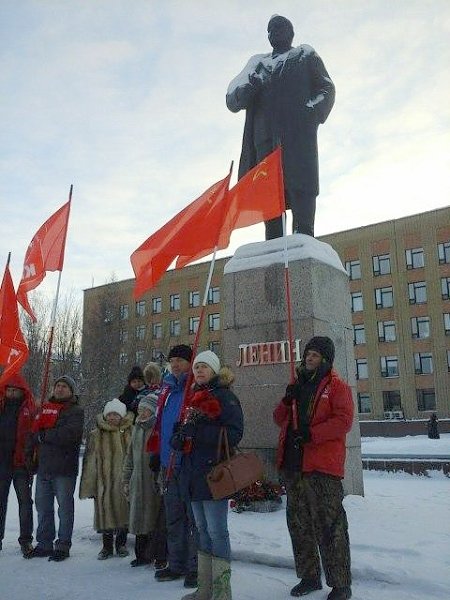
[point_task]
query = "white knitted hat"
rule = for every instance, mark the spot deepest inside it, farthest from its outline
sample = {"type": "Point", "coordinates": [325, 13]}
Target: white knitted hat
{"type": "Point", "coordinates": [209, 358]}
{"type": "Point", "coordinates": [116, 406]}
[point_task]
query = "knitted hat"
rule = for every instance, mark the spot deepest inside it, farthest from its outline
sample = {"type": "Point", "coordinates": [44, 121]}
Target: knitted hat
{"type": "Point", "coordinates": [70, 381]}
{"type": "Point", "coordinates": [115, 406]}
{"type": "Point", "coordinates": [148, 401]}
{"type": "Point", "coordinates": [210, 359]}
{"type": "Point", "coordinates": [181, 351]}
{"type": "Point", "coordinates": [152, 373]}
{"type": "Point", "coordinates": [136, 373]}
{"type": "Point", "coordinates": [323, 345]}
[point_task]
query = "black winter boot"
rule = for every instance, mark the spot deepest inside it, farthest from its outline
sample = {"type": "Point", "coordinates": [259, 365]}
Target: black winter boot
{"type": "Point", "coordinates": [306, 586]}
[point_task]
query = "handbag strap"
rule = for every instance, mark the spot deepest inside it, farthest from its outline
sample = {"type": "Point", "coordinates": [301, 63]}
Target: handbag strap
{"type": "Point", "coordinates": [223, 441]}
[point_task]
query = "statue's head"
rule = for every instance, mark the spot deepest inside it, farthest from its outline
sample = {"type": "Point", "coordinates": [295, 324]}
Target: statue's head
{"type": "Point", "coordinates": [281, 32]}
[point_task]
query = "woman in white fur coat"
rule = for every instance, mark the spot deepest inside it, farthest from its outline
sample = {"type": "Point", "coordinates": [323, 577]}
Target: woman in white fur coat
{"type": "Point", "coordinates": [101, 476]}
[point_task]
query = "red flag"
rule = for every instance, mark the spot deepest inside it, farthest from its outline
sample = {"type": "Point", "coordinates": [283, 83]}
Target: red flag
{"type": "Point", "coordinates": [257, 197]}
{"type": "Point", "coordinates": [196, 227]}
{"type": "Point", "coordinates": [13, 349]}
{"type": "Point", "coordinates": [45, 253]}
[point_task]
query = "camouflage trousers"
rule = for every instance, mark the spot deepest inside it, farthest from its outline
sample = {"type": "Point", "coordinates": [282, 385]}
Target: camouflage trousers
{"type": "Point", "coordinates": [317, 523]}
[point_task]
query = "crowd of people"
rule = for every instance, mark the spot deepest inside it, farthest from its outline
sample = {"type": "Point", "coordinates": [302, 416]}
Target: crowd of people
{"type": "Point", "coordinates": [146, 463]}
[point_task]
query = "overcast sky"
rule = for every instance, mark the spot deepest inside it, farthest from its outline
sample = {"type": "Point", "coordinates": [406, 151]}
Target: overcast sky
{"type": "Point", "coordinates": [126, 100]}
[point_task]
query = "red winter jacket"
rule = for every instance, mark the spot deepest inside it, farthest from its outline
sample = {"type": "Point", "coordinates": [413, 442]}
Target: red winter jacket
{"type": "Point", "coordinates": [331, 420]}
{"type": "Point", "coordinates": [25, 419]}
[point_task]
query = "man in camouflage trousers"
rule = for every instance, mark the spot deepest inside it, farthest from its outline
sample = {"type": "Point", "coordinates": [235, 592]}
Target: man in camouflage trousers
{"type": "Point", "coordinates": [315, 415]}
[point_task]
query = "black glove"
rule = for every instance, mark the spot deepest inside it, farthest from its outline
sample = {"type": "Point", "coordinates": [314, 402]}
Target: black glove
{"type": "Point", "coordinates": [291, 393]}
{"type": "Point", "coordinates": [154, 463]}
{"type": "Point", "coordinates": [182, 433]}
{"type": "Point", "coordinates": [302, 435]}
{"type": "Point", "coordinates": [177, 441]}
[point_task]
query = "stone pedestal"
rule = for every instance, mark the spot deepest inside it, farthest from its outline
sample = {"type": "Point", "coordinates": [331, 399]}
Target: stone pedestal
{"type": "Point", "coordinates": [255, 331]}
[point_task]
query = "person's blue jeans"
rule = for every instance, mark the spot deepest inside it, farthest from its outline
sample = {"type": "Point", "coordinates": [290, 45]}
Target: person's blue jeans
{"type": "Point", "coordinates": [182, 535]}
{"type": "Point", "coordinates": [211, 518]}
{"type": "Point", "coordinates": [47, 489]}
{"type": "Point", "coordinates": [21, 481]}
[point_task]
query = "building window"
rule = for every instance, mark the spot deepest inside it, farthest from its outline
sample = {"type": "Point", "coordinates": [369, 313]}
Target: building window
{"type": "Point", "coordinates": [357, 301]}
{"type": "Point", "coordinates": [140, 308]}
{"type": "Point", "coordinates": [194, 299]}
{"type": "Point", "coordinates": [389, 366]}
{"type": "Point", "coordinates": [109, 316]}
{"type": "Point", "coordinates": [140, 356]}
{"type": "Point", "coordinates": [140, 332]}
{"type": "Point", "coordinates": [420, 327]}
{"type": "Point", "coordinates": [157, 331]}
{"type": "Point", "coordinates": [384, 297]}
{"type": "Point", "coordinates": [414, 258]}
{"type": "Point", "coordinates": [156, 305]}
{"type": "Point", "coordinates": [362, 370]}
{"type": "Point", "coordinates": [364, 403]}
{"type": "Point", "coordinates": [214, 322]}
{"type": "Point", "coordinates": [175, 328]}
{"type": "Point", "coordinates": [445, 288]}
{"type": "Point", "coordinates": [123, 312]}
{"type": "Point", "coordinates": [447, 323]}
{"type": "Point", "coordinates": [417, 292]}
{"type": "Point", "coordinates": [353, 268]}
{"type": "Point", "coordinates": [448, 360]}
{"type": "Point", "coordinates": [359, 334]}
{"type": "Point", "coordinates": [423, 363]}
{"type": "Point", "coordinates": [123, 336]}
{"type": "Point", "coordinates": [381, 264]}
{"type": "Point", "coordinates": [193, 324]}
{"type": "Point", "coordinates": [123, 358]}
{"type": "Point", "coordinates": [214, 295]}
{"type": "Point", "coordinates": [157, 354]}
{"type": "Point", "coordinates": [174, 302]}
{"type": "Point", "coordinates": [426, 400]}
{"type": "Point", "coordinates": [214, 347]}
{"type": "Point", "coordinates": [386, 331]}
{"type": "Point", "coordinates": [444, 253]}
{"type": "Point", "coordinates": [392, 400]}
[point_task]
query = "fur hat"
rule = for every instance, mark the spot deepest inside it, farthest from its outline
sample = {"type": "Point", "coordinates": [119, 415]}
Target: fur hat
{"type": "Point", "coordinates": [210, 359]}
{"type": "Point", "coordinates": [181, 351]}
{"type": "Point", "coordinates": [136, 373]}
{"type": "Point", "coordinates": [323, 345]}
{"type": "Point", "coordinates": [70, 381]}
{"type": "Point", "coordinates": [152, 373]}
{"type": "Point", "coordinates": [115, 406]}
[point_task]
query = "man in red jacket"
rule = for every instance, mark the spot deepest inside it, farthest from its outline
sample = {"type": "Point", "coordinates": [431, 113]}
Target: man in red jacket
{"type": "Point", "coordinates": [17, 410]}
{"type": "Point", "coordinates": [315, 415]}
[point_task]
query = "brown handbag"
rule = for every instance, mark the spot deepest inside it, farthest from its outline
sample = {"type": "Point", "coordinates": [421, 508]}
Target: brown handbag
{"type": "Point", "coordinates": [235, 472]}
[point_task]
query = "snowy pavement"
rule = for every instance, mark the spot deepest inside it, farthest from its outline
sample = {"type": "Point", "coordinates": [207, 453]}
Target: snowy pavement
{"type": "Point", "coordinates": [400, 544]}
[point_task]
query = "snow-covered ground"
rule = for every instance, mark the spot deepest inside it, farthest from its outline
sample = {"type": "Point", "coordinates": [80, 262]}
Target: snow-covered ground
{"type": "Point", "coordinates": [399, 532]}
{"type": "Point", "coordinates": [410, 444]}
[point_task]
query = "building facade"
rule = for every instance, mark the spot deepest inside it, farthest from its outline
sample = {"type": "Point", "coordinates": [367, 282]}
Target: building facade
{"type": "Point", "coordinates": [399, 279]}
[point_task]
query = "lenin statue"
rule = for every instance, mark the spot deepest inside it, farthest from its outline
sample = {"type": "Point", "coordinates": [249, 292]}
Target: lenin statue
{"type": "Point", "coordinates": [286, 94]}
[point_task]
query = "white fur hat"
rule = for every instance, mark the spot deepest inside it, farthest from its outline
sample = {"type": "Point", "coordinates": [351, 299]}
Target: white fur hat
{"type": "Point", "coordinates": [210, 359]}
{"type": "Point", "coordinates": [115, 406]}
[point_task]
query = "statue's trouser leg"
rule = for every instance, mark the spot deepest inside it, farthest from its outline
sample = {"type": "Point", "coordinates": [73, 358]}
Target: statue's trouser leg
{"type": "Point", "coordinates": [303, 212]}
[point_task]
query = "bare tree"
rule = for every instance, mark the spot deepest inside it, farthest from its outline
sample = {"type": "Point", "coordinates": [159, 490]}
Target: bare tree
{"type": "Point", "coordinates": [66, 348]}
{"type": "Point", "coordinates": [102, 373]}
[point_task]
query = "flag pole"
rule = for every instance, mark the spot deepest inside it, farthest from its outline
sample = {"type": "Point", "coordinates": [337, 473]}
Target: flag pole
{"type": "Point", "coordinates": [194, 348]}
{"type": "Point", "coordinates": [53, 317]}
{"type": "Point", "coordinates": [287, 288]}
